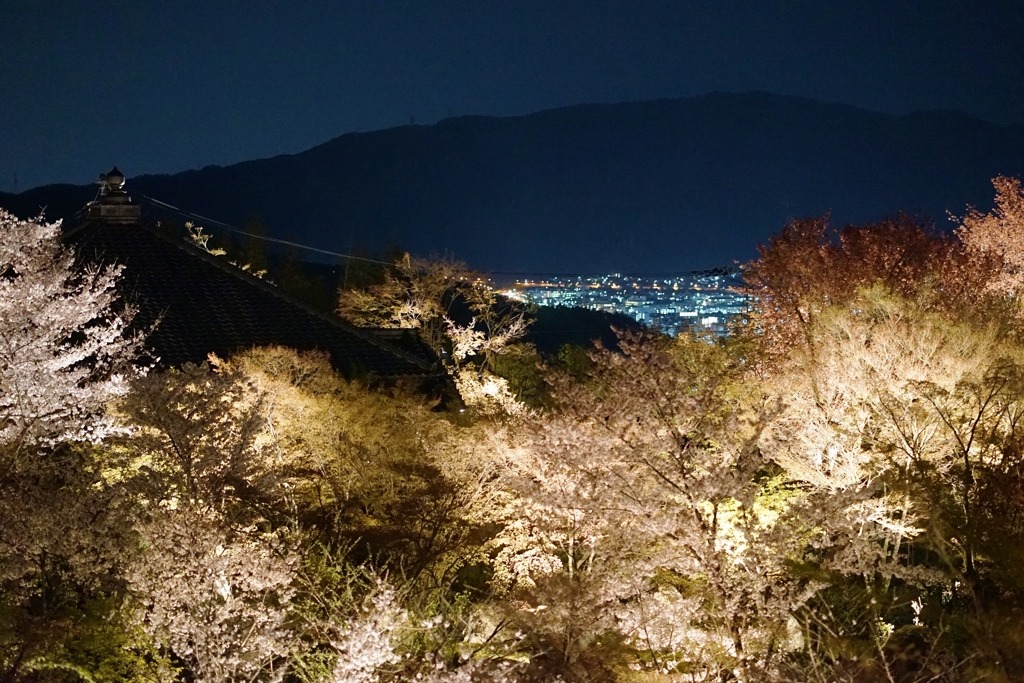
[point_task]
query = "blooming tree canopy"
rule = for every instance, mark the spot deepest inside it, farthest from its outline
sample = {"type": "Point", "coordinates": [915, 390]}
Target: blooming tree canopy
{"type": "Point", "coordinates": [63, 347]}
{"type": "Point", "coordinates": [1000, 233]}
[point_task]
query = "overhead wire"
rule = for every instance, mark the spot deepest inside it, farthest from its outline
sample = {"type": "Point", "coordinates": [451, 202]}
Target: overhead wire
{"type": "Point", "coordinates": [206, 219]}
{"type": "Point", "coordinates": [232, 228]}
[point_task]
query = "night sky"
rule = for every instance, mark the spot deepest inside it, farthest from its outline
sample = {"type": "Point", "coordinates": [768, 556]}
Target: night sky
{"type": "Point", "coordinates": [167, 86]}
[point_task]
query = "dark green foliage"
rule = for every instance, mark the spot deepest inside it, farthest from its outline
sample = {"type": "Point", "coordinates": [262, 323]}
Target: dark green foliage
{"type": "Point", "coordinates": [555, 326]}
{"type": "Point", "coordinates": [520, 365]}
{"type": "Point", "coordinates": [575, 359]}
{"type": "Point", "coordinates": [70, 611]}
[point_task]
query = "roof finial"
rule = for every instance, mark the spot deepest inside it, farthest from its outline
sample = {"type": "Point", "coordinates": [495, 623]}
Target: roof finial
{"type": "Point", "coordinates": [114, 180]}
{"type": "Point", "coordinates": [113, 204]}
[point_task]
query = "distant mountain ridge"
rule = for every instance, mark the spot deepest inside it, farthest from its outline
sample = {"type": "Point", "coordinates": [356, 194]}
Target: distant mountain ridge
{"type": "Point", "coordinates": [661, 186]}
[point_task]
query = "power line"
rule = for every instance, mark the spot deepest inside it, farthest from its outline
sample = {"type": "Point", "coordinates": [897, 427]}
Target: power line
{"type": "Point", "coordinates": [232, 228]}
{"type": "Point", "coordinates": [226, 226]}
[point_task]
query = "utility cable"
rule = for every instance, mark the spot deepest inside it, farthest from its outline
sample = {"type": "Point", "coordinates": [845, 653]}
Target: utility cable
{"type": "Point", "coordinates": [226, 226]}
{"type": "Point", "coordinates": [232, 228]}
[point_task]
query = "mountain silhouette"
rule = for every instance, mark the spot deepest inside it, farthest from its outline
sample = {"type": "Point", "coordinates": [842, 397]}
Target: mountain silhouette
{"type": "Point", "coordinates": [661, 186]}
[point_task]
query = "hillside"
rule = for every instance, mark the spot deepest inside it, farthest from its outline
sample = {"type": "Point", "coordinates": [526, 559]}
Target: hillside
{"type": "Point", "coordinates": [662, 186]}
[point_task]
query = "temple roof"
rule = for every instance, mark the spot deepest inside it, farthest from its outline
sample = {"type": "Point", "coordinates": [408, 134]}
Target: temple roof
{"type": "Point", "coordinates": [204, 305]}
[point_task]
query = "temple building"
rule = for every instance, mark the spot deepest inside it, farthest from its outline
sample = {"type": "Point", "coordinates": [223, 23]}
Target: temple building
{"type": "Point", "coordinates": [197, 303]}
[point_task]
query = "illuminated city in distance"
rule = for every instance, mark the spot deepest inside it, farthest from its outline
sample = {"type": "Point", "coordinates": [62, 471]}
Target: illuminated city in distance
{"type": "Point", "coordinates": [705, 301]}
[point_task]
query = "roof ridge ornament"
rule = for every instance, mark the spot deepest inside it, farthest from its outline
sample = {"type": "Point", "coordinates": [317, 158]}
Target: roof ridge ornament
{"type": "Point", "coordinates": [113, 204]}
{"type": "Point", "coordinates": [112, 181]}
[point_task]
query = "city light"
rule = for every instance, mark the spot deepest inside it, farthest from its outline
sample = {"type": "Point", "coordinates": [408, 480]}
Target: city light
{"type": "Point", "coordinates": [704, 301]}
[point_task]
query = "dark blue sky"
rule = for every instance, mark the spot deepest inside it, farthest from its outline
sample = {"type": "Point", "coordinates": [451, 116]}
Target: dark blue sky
{"type": "Point", "coordinates": [167, 86]}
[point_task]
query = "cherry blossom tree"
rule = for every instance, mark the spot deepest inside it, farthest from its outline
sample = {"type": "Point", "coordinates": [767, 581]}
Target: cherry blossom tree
{"type": "Point", "coordinates": [64, 350]}
{"type": "Point", "coordinates": [421, 294]}
{"type": "Point", "coordinates": [415, 294]}
{"type": "Point", "coordinates": [833, 494]}
{"type": "Point", "coordinates": [810, 266]}
{"type": "Point", "coordinates": [199, 430]}
{"type": "Point", "coordinates": [643, 508]}
{"type": "Point", "coordinates": [217, 597]}
{"type": "Point", "coordinates": [65, 530]}
{"type": "Point", "coordinates": [1000, 234]}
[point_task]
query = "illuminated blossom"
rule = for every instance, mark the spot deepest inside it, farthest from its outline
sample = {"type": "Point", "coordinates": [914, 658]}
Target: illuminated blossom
{"type": "Point", "coordinates": [63, 348]}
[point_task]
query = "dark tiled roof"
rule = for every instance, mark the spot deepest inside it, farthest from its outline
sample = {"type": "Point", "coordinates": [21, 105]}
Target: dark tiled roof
{"type": "Point", "coordinates": [405, 339]}
{"type": "Point", "coordinates": [205, 305]}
